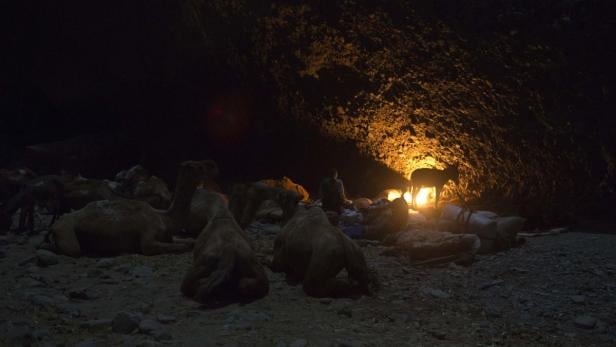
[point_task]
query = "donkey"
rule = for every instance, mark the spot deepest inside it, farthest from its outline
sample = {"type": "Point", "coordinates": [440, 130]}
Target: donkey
{"type": "Point", "coordinates": [432, 178]}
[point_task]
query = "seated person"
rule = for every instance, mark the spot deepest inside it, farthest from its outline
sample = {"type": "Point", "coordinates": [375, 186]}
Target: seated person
{"type": "Point", "coordinates": [332, 193]}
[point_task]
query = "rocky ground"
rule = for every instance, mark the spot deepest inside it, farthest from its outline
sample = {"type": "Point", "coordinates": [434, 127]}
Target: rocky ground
{"type": "Point", "coordinates": [554, 290]}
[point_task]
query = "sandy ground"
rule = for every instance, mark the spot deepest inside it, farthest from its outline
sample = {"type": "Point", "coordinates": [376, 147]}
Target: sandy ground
{"type": "Point", "coordinates": [554, 290]}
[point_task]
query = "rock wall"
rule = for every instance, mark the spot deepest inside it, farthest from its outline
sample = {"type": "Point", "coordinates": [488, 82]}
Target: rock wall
{"type": "Point", "coordinates": [411, 89]}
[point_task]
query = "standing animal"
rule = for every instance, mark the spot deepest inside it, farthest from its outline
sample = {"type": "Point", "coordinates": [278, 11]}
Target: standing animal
{"type": "Point", "coordinates": [11, 181]}
{"type": "Point", "coordinates": [312, 251]}
{"type": "Point", "coordinates": [432, 178]}
{"type": "Point", "coordinates": [43, 191]}
{"type": "Point", "coordinates": [246, 199]}
{"type": "Point", "coordinates": [129, 226]}
{"type": "Point", "coordinates": [225, 266]}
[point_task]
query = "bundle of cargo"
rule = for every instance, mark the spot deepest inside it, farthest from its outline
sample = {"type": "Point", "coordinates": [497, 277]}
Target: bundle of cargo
{"type": "Point", "coordinates": [496, 233]}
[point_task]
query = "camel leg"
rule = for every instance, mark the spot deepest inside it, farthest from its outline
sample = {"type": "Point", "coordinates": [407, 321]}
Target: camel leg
{"type": "Point", "coordinates": [30, 219]}
{"type": "Point", "coordinates": [438, 195]}
{"type": "Point", "coordinates": [221, 274]}
{"type": "Point", "coordinates": [254, 282]}
{"type": "Point", "coordinates": [249, 212]}
{"type": "Point", "coordinates": [320, 280]}
{"type": "Point", "coordinates": [153, 247]}
{"type": "Point", "coordinates": [187, 242]}
{"type": "Point", "coordinates": [66, 241]}
{"type": "Point", "coordinates": [414, 192]}
{"type": "Point", "coordinates": [192, 278]}
{"type": "Point", "coordinates": [23, 214]}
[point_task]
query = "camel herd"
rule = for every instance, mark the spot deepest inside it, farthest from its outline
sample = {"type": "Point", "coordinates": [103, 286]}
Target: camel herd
{"type": "Point", "coordinates": [136, 213]}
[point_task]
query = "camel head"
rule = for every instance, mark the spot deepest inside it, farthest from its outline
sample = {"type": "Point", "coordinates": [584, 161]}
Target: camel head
{"type": "Point", "coordinates": [288, 200]}
{"type": "Point", "coordinates": [192, 171]}
{"type": "Point", "coordinates": [210, 168]}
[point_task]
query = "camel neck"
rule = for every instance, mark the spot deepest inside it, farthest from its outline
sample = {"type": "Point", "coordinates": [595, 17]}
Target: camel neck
{"type": "Point", "coordinates": [182, 197]}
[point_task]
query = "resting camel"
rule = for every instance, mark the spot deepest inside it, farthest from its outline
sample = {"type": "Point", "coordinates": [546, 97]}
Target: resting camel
{"type": "Point", "coordinates": [224, 263]}
{"type": "Point", "coordinates": [129, 226]}
{"type": "Point", "coordinates": [312, 251]}
{"type": "Point", "coordinates": [139, 184]}
{"type": "Point", "coordinates": [201, 203]}
{"type": "Point", "coordinates": [246, 199]}
{"type": "Point", "coordinates": [288, 184]}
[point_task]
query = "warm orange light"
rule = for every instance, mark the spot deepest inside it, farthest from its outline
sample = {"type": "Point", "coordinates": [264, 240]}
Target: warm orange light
{"type": "Point", "coordinates": [393, 194]}
{"type": "Point", "coordinates": [423, 197]}
{"type": "Point", "coordinates": [408, 197]}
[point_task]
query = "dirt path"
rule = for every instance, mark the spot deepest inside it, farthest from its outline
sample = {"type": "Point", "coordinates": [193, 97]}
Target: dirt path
{"type": "Point", "coordinates": [558, 290]}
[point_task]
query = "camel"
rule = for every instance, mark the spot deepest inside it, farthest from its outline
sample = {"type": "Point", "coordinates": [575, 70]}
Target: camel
{"type": "Point", "coordinates": [312, 251]}
{"type": "Point", "coordinates": [203, 200]}
{"type": "Point", "coordinates": [129, 226]}
{"type": "Point", "coordinates": [246, 199]}
{"type": "Point", "coordinates": [224, 263]}
{"type": "Point", "coordinates": [139, 184]}
{"type": "Point", "coordinates": [288, 184]}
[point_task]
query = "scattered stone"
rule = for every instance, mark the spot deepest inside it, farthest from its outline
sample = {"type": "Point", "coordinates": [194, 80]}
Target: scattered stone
{"type": "Point", "coordinates": [492, 312]}
{"type": "Point", "coordinates": [402, 317]}
{"type": "Point", "coordinates": [437, 293]}
{"type": "Point", "coordinates": [27, 261]}
{"type": "Point", "coordinates": [299, 343]}
{"type": "Point", "coordinates": [245, 319]}
{"type": "Point", "coordinates": [41, 300]}
{"type": "Point", "coordinates": [149, 326]}
{"type": "Point", "coordinates": [578, 299]}
{"type": "Point", "coordinates": [89, 343]}
{"type": "Point", "coordinates": [163, 335]}
{"type": "Point", "coordinates": [142, 271]}
{"type": "Point", "coordinates": [490, 284]}
{"type": "Point", "coordinates": [348, 343]}
{"type": "Point", "coordinates": [441, 335]}
{"type": "Point", "coordinates": [105, 263]}
{"type": "Point", "coordinates": [148, 344]}
{"type": "Point", "coordinates": [19, 334]}
{"type": "Point", "coordinates": [94, 273]}
{"type": "Point", "coordinates": [96, 323]}
{"type": "Point", "coordinates": [586, 322]}
{"type": "Point", "coordinates": [124, 323]}
{"type": "Point", "coordinates": [346, 312]}
{"type": "Point", "coordinates": [31, 282]}
{"type": "Point", "coordinates": [145, 307]}
{"type": "Point", "coordinates": [166, 319]}
{"type": "Point", "coordinates": [46, 258]}
{"type": "Point", "coordinates": [80, 294]}
{"type": "Point", "coordinates": [109, 281]}
{"type": "Point", "coordinates": [326, 301]}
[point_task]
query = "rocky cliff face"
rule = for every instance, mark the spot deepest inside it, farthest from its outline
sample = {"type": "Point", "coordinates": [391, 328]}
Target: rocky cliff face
{"type": "Point", "coordinates": [412, 87]}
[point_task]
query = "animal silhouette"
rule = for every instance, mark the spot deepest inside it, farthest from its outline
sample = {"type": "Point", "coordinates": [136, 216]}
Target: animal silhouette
{"type": "Point", "coordinates": [432, 178]}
